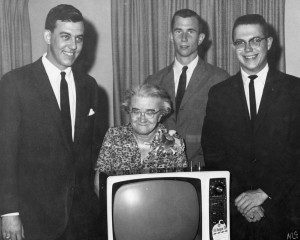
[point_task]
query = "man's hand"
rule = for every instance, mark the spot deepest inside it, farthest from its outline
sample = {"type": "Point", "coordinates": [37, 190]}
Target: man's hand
{"type": "Point", "coordinates": [12, 228]}
{"type": "Point", "coordinates": [255, 214]}
{"type": "Point", "coordinates": [250, 199]}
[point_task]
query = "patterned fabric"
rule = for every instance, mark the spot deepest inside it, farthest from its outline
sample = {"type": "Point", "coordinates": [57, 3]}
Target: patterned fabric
{"type": "Point", "coordinates": [120, 154]}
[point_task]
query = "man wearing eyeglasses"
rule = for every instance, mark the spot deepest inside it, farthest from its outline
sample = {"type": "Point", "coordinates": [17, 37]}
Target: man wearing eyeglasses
{"type": "Point", "coordinates": [252, 129]}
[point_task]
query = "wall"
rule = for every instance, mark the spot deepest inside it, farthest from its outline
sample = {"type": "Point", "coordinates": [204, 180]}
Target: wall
{"type": "Point", "coordinates": [292, 37]}
{"type": "Point", "coordinates": [97, 13]}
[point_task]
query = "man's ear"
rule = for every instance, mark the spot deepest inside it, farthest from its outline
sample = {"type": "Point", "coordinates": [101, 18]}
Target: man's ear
{"type": "Point", "coordinates": [47, 36]}
{"type": "Point", "coordinates": [171, 37]}
{"type": "Point", "coordinates": [201, 38]}
{"type": "Point", "coordinates": [269, 42]}
{"type": "Point", "coordinates": [233, 47]}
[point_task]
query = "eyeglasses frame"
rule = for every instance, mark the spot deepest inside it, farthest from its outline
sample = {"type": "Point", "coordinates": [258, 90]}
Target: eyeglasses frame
{"type": "Point", "coordinates": [138, 112]}
{"type": "Point", "coordinates": [245, 44]}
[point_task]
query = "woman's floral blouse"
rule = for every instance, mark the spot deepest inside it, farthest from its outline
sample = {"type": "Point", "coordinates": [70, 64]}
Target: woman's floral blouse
{"type": "Point", "coordinates": [120, 154]}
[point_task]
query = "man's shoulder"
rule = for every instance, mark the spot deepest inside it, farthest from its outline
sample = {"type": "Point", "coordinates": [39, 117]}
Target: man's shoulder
{"type": "Point", "coordinates": [282, 75]}
{"type": "Point", "coordinates": [212, 70]}
{"type": "Point", "coordinates": [21, 73]}
{"type": "Point", "coordinates": [203, 68]}
{"type": "Point", "coordinates": [84, 76]}
{"type": "Point", "coordinates": [83, 79]}
{"type": "Point", "coordinates": [160, 75]}
{"type": "Point", "coordinates": [286, 82]}
{"type": "Point", "coordinates": [228, 83]}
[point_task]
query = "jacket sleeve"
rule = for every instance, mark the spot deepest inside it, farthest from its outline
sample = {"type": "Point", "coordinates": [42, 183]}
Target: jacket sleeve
{"type": "Point", "coordinates": [282, 179]}
{"type": "Point", "coordinates": [211, 139]}
{"type": "Point", "coordinates": [10, 121]}
{"type": "Point", "coordinates": [100, 124]}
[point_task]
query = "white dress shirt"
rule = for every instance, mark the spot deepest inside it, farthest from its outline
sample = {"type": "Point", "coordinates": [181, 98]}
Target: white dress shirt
{"type": "Point", "coordinates": [54, 76]}
{"type": "Point", "coordinates": [259, 84]}
{"type": "Point", "coordinates": [177, 68]}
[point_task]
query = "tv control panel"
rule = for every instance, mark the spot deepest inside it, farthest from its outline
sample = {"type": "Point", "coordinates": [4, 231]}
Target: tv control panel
{"type": "Point", "coordinates": [217, 208]}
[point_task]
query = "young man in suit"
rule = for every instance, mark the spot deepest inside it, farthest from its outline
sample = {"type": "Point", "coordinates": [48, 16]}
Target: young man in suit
{"type": "Point", "coordinates": [49, 139]}
{"type": "Point", "coordinates": [252, 129]}
{"type": "Point", "coordinates": [193, 82]}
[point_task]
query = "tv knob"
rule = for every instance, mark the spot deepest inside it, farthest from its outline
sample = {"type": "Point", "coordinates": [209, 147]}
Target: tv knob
{"type": "Point", "coordinates": [218, 189]}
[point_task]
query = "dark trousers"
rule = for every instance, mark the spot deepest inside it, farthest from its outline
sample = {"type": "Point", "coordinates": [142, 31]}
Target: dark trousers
{"type": "Point", "coordinates": [277, 226]}
{"type": "Point", "coordinates": [82, 224]}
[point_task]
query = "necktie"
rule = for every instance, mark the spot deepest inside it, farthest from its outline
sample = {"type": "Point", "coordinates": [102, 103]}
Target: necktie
{"type": "Point", "coordinates": [252, 99]}
{"type": "Point", "coordinates": [181, 88]}
{"type": "Point", "coordinates": [65, 106]}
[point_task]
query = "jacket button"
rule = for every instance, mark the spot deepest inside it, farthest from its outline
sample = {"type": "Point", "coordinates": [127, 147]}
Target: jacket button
{"type": "Point", "coordinates": [254, 160]}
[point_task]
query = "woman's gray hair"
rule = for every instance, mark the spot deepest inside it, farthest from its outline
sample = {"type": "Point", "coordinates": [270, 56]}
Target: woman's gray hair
{"type": "Point", "coordinates": [149, 90]}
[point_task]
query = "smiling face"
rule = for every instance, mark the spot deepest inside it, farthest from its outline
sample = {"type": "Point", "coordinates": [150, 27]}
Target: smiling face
{"type": "Point", "coordinates": [64, 43]}
{"type": "Point", "coordinates": [252, 60]}
{"type": "Point", "coordinates": [186, 38]}
{"type": "Point", "coordinates": [140, 123]}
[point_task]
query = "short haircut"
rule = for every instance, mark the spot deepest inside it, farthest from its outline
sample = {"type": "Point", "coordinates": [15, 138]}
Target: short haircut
{"type": "Point", "coordinates": [64, 13]}
{"type": "Point", "coordinates": [186, 13]}
{"type": "Point", "coordinates": [149, 90]}
{"type": "Point", "coordinates": [251, 19]}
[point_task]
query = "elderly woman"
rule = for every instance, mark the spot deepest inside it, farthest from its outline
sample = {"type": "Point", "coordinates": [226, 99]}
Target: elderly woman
{"type": "Point", "coordinates": [144, 145]}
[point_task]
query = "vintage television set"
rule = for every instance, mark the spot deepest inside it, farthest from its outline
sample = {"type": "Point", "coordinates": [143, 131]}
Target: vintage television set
{"type": "Point", "coordinates": [168, 206]}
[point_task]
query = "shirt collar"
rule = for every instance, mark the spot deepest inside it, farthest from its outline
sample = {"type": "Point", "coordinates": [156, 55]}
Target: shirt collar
{"type": "Point", "coordinates": [261, 76]}
{"type": "Point", "coordinates": [52, 70]}
{"type": "Point", "coordinates": [191, 66]}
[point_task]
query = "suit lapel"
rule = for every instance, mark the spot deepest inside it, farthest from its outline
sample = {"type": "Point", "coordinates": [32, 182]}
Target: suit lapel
{"type": "Point", "coordinates": [239, 91]}
{"type": "Point", "coordinates": [42, 83]}
{"type": "Point", "coordinates": [194, 82]}
{"type": "Point", "coordinates": [81, 98]}
{"type": "Point", "coordinates": [266, 100]}
{"type": "Point", "coordinates": [169, 84]}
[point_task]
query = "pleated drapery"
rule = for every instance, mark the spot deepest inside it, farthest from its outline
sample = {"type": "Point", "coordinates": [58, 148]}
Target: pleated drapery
{"type": "Point", "coordinates": [15, 36]}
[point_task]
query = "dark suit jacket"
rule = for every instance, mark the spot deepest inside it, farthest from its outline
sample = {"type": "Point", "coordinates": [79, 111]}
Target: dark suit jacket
{"type": "Point", "coordinates": [227, 144]}
{"type": "Point", "coordinates": [192, 110]}
{"type": "Point", "coordinates": [41, 170]}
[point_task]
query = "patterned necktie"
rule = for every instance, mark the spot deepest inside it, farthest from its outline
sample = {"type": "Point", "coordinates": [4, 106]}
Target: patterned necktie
{"type": "Point", "coordinates": [252, 99]}
{"type": "Point", "coordinates": [181, 88]}
{"type": "Point", "coordinates": [65, 106]}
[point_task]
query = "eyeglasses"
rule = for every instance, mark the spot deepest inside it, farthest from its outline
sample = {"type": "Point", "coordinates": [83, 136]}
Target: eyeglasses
{"type": "Point", "coordinates": [253, 42]}
{"type": "Point", "coordinates": [148, 114]}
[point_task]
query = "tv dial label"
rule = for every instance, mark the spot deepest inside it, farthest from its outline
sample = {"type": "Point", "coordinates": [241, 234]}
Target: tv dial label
{"type": "Point", "coordinates": [220, 231]}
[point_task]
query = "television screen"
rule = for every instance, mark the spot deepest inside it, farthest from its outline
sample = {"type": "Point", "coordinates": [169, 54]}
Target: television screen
{"type": "Point", "coordinates": [154, 210]}
{"type": "Point", "coordinates": [168, 206]}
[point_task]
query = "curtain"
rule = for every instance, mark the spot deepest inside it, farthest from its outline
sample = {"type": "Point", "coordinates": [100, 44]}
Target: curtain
{"type": "Point", "coordinates": [15, 38]}
{"type": "Point", "coordinates": [141, 45]}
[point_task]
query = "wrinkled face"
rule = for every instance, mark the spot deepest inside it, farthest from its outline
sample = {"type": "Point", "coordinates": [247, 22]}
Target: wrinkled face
{"type": "Point", "coordinates": [252, 59]}
{"type": "Point", "coordinates": [143, 125]}
{"type": "Point", "coordinates": [64, 43]}
{"type": "Point", "coordinates": [186, 38]}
